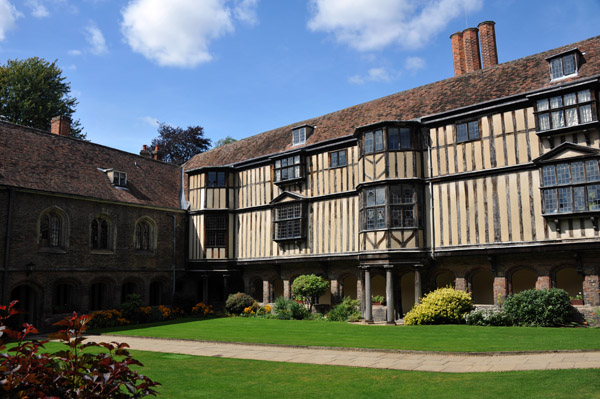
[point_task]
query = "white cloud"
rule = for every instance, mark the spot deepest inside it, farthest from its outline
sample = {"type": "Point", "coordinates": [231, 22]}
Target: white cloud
{"type": "Point", "coordinates": [96, 40]}
{"type": "Point", "coordinates": [8, 17]}
{"type": "Point", "coordinates": [363, 26]}
{"type": "Point", "coordinates": [374, 75]}
{"type": "Point", "coordinates": [149, 120]}
{"type": "Point", "coordinates": [38, 9]}
{"type": "Point", "coordinates": [178, 32]}
{"type": "Point", "coordinates": [74, 52]}
{"type": "Point", "coordinates": [414, 64]}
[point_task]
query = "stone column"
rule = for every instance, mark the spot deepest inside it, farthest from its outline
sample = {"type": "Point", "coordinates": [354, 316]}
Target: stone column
{"type": "Point", "coordinates": [205, 289]}
{"type": "Point", "coordinates": [287, 294]}
{"type": "Point", "coordinates": [266, 291]}
{"type": "Point", "coordinates": [368, 304]}
{"type": "Point", "coordinates": [500, 289]}
{"type": "Point", "coordinates": [334, 288]}
{"type": "Point", "coordinates": [460, 283]}
{"type": "Point", "coordinates": [389, 294]}
{"type": "Point", "coordinates": [418, 287]}
{"type": "Point", "coordinates": [359, 293]}
{"type": "Point", "coordinates": [591, 290]}
{"type": "Point", "coordinates": [543, 283]}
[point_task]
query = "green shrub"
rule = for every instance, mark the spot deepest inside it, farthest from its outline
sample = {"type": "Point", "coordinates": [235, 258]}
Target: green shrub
{"type": "Point", "coordinates": [236, 303]}
{"type": "Point", "coordinates": [539, 308]}
{"type": "Point", "coordinates": [309, 288]}
{"type": "Point", "coordinates": [378, 298]}
{"type": "Point", "coordinates": [442, 306]}
{"type": "Point", "coordinates": [349, 308]}
{"type": "Point", "coordinates": [488, 317]}
{"type": "Point", "coordinates": [287, 309]}
{"type": "Point", "coordinates": [131, 309]}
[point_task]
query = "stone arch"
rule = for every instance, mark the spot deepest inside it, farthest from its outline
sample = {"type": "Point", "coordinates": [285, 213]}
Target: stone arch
{"type": "Point", "coordinates": [30, 298]}
{"type": "Point", "coordinates": [568, 279]}
{"type": "Point", "coordinates": [158, 291]}
{"type": "Point", "coordinates": [407, 292]}
{"type": "Point", "coordinates": [101, 293]}
{"type": "Point", "coordinates": [348, 286]}
{"type": "Point", "coordinates": [481, 286]}
{"type": "Point", "coordinates": [66, 295]}
{"type": "Point", "coordinates": [444, 278]}
{"type": "Point", "coordinates": [256, 288]}
{"type": "Point", "coordinates": [131, 286]}
{"type": "Point", "coordinates": [277, 284]}
{"type": "Point", "coordinates": [53, 227]}
{"type": "Point", "coordinates": [521, 279]}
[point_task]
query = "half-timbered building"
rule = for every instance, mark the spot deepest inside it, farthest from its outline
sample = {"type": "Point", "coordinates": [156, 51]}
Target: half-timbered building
{"type": "Point", "coordinates": [487, 181]}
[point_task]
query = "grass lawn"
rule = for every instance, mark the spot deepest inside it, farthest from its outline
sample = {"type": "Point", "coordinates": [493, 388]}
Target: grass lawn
{"type": "Point", "coordinates": [455, 338]}
{"type": "Point", "coordinates": [185, 376]}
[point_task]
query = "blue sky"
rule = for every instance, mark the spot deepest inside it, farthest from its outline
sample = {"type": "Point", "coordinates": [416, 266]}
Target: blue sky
{"type": "Point", "coordinates": [241, 67]}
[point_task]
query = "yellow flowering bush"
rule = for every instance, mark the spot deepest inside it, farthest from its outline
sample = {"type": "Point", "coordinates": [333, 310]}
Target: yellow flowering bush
{"type": "Point", "coordinates": [201, 309]}
{"type": "Point", "coordinates": [442, 306]}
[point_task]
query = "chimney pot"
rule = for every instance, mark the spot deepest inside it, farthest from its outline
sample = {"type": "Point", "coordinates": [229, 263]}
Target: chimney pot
{"type": "Point", "coordinates": [61, 125]}
{"type": "Point", "coordinates": [144, 147]}
{"type": "Point", "coordinates": [489, 51]}
{"type": "Point", "coordinates": [145, 152]}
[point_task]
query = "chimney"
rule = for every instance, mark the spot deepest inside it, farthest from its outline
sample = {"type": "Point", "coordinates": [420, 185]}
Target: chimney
{"type": "Point", "coordinates": [145, 151]}
{"type": "Point", "coordinates": [458, 53]}
{"type": "Point", "coordinates": [471, 42]}
{"type": "Point", "coordinates": [156, 154]}
{"type": "Point", "coordinates": [489, 52]}
{"type": "Point", "coordinates": [61, 125]}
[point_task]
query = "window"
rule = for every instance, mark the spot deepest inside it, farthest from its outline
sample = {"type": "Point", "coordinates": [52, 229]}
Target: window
{"type": "Point", "coordinates": [215, 229]}
{"type": "Point", "coordinates": [563, 66]}
{"type": "Point", "coordinates": [289, 168]}
{"type": "Point", "coordinates": [100, 234]}
{"type": "Point", "coordinates": [399, 138]}
{"type": "Point", "coordinates": [288, 222]}
{"type": "Point", "coordinates": [337, 159]}
{"type": "Point", "coordinates": [401, 206]}
{"type": "Point", "coordinates": [299, 136]}
{"type": "Point", "coordinates": [144, 236]}
{"type": "Point", "coordinates": [51, 230]}
{"type": "Point", "coordinates": [373, 141]}
{"type": "Point", "coordinates": [565, 110]}
{"type": "Point", "coordinates": [120, 179]}
{"type": "Point", "coordinates": [467, 131]}
{"type": "Point", "coordinates": [215, 179]}
{"type": "Point", "coordinates": [571, 187]}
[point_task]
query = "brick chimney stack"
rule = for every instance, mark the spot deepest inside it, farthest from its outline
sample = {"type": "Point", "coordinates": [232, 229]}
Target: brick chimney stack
{"type": "Point", "coordinates": [145, 151]}
{"type": "Point", "coordinates": [61, 125]}
{"type": "Point", "coordinates": [156, 154]}
{"type": "Point", "coordinates": [489, 52]}
{"type": "Point", "coordinates": [472, 57]}
{"type": "Point", "coordinates": [458, 53]}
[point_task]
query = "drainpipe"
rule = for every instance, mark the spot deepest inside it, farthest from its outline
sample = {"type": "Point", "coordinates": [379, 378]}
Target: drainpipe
{"type": "Point", "coordinates": [11, 195]}
{"type": "Point", "coordinates": [174, 252]}
{"type": "Point", "coordinates": [431, 224]}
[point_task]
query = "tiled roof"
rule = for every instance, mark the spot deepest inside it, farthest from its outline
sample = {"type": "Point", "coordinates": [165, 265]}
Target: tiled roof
{"type": "Point", "coordinates": [510, 78]}
{"type": "Point", "coordinates": [38, 160]}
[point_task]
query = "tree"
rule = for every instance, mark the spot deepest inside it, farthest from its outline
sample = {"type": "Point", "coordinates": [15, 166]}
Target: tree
{"type": "Point", "coordinates": [309, 288]}
{"type": "Point", "coordinates": [33, 91]}
{"type": "Point", "coordinates": [225, 140]}
{"type": "Point", "coordinates": [178, 145]}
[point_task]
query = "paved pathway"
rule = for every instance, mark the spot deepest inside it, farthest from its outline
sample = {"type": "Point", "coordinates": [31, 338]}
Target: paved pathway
{"type": "Point", "coordinates": [383, 359]}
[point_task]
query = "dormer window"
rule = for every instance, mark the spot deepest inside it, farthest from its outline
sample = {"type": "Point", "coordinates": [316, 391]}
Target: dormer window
{"type": "Point", "coordinates": [119, 179]}
{"type": "Point", "coordinates": [288, 169]}
{"type": "Point", "coordinates": [564, 64]}
{"type": "Point", "coordinates": [300, 134]}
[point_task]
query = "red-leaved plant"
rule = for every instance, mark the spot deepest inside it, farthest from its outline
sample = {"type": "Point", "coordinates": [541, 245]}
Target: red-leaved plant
{"type": "Point", "coordinates": [26, 371]}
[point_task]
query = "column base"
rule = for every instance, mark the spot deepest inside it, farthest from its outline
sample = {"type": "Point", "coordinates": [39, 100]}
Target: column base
{"type": "Point", "coordinates": [368, 322]}
{"type": "Point", "coordinates": [390, 323]}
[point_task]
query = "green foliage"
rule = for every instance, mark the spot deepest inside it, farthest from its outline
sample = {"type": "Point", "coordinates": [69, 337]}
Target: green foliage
{"type": "Point", "coordinates": [488, 317]}
{"type": "Point", "coordinates": [539, 308]}
{"type": "Point", "coordinates": [33, 91]}
{"type": "Point", "coordinates": [348, 309]}
{"type": "Point", "coordinates": [378, 298]}
{"type": "Point", "coordinates": [287, 309]}
{"type": "Point", "coordinates": [309, 287]}
{"type": "Point", "coordinates": [27, 371]}
{"type": "Point", "coordinates": [236, 303]}
{"type": "Point", "coordinates": [442, 306]}
{"type": "Point", "coordinates": [225, 140]}
{"type": "Point", "coordinates": [131, 308]}
{"type": "Point", "coordinates": [178, 145]}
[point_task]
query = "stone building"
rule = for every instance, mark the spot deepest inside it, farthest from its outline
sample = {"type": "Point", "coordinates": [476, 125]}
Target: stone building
{"type": "Point", "coordinates": [488, 181]}
{"type": "Point", "coordinates": [83, 225]}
